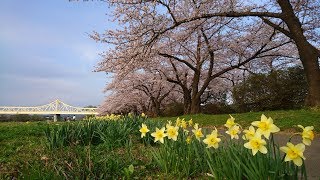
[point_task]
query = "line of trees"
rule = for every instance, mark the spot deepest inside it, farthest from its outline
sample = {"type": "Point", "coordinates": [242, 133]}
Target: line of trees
{"type": "Point", "coordinates": [170, 51]}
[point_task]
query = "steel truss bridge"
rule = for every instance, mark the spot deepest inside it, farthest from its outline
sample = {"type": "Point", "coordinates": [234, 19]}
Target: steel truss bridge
{"type": "Point", "coordinates": [56, 108]}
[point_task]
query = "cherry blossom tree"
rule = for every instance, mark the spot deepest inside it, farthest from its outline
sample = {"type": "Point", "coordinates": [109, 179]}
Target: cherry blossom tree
{"type": "Point", "coordinates": [190, 55]}
{"type": "Point", "coordinates": [141, 91]}
{"type": "Point", "coordinates": [124, 102]}
{"type": "Point", "coordinates": [296, 20]}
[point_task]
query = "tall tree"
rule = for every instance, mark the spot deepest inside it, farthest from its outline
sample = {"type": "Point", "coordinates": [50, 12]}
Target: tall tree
{"type": "Point", "coordinates": [195, 52]}
{"type": "Point", "coordinates": [298, 20]}
{"type": "Point", "coordinates": [139, 91]}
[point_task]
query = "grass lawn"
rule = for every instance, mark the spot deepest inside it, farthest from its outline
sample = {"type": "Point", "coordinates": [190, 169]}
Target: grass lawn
{"type": "Point", "coordinates": [20, 144]}
{"type": "Point", "coordinates": [25, 154]}
{"type": "Point", "coordinates": [285, 120]}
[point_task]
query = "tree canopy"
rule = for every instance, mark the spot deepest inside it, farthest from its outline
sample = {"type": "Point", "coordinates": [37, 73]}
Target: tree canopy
{"type": "Point", "coordinates": [196, 45]}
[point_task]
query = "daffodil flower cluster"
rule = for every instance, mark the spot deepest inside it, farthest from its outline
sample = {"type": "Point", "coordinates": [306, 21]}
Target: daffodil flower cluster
{"type": "Point", "coordinates": [256, 136]}
{"type": "Point", "coordinates": [107, 117]}
{"type": "Point", "coordinates": [295, 152]}
{"type": "Point", "coordinates": [265, 127]}
{"type": "Point", "coordinates": [183, 123]}
{"type": "Point", "coordinates": [113, 117]}
{"type": "Point", "coordinates": [172, 131]}
{"type": "Point", "coordinates": [233, 128]}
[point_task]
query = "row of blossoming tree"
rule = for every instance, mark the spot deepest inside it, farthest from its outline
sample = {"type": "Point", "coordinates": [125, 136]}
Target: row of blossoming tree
{"type": "Point", "coordinates": [167, 51]}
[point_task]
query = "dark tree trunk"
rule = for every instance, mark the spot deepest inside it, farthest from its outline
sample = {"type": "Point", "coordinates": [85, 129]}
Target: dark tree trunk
{"type": "Point", "coordinates": [186, 102]}
{"type": "Point", "coordinates": [195, 105]}
{"type": "Point", "coordinates": [309, 55]}
{"type": "Point", "coordinates": [144, 108]}
{"type": "Point", "coordinates": [195, 97]}
{"type": "Point", "coordinates": [157, 111]}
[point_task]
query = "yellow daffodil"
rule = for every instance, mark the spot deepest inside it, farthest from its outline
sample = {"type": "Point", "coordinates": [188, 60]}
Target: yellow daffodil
{"type": "Point", "coordinates": [169, 123]}
{"type": "Point", "coordinates": [307, 134]}
{"type": "Point", "coordinates": [230, 122]}
{"type": "Point", "coordinates": [196, 126]}
{"type": "Point", "coordinates": [190, 122]}
{"type": "Point", "coordinates": [144, 129]}
{"type": "Point", "coordinates": [109, 117]}
{"type": "Point", "coordinates": [234, 131]}
{"type": "Point", "coordinates": [256, 144]}
{"type": "Point", "coordinates": [159, 135]}
{"type": "Point", "coordinates": [212, 139]}
{"type": "Point", "coordinates": [197, 132]}
{"type": "Point", "coordinates": [172, 132]}
{"type": "Point", "coordinates": [178, 122]}
{"type": "Point", "coordinates": [294, 153]}
{"type": "Point", "coordinates": [249, 133]}
{"type": "Point", "coordinates": [265, 126]}
{"type": "Point", "coordinates": [189, 139]}
{"type": "Point", "coordinates": [184, 124]}
{"type": "Point", "coordinates": [143, 115]}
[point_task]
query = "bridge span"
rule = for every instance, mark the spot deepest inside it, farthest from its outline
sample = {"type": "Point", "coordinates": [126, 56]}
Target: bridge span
{"type": "Point", "coordinates": [56, 108]}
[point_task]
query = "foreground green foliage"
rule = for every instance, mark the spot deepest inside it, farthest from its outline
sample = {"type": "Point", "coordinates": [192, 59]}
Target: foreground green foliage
{"type": "Point", "coordinates": [113, 149]}
{"type": "Point", "coordinates": [180, 158]}
{"type": "Point", "coordinates": [71, 150]}
{"type": "Point", "coordinates": [236, 162]}
{"type": "Point", "coordinates": [182, 152]}
{"type": "Point", "coordinates": [111, 133]}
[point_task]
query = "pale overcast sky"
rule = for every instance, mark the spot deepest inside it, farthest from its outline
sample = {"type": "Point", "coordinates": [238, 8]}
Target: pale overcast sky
{"type": "Point", "coordinates": [46, 54]}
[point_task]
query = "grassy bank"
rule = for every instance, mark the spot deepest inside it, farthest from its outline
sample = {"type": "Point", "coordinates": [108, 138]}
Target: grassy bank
{"type": "Point", "coordinates": [285, 120]}
{"type": "Point", "coordinates": [21, 143]}
{"type": "Point", "coordinates": [102, 149]}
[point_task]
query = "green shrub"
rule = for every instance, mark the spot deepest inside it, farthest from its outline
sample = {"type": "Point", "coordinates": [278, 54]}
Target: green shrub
{"type": "Point", "coordinates": [173, 109]}
{"type": "Point", "coordinates": [280, 89]}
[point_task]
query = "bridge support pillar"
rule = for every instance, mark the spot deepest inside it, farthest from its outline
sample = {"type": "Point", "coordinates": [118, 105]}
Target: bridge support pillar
{"type": "Point", "coordinates": [56, 117]}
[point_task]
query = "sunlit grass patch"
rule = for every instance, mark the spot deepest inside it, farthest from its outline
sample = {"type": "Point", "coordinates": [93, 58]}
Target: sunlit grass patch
{"type": "Point", "coordinates": [285, 119]}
